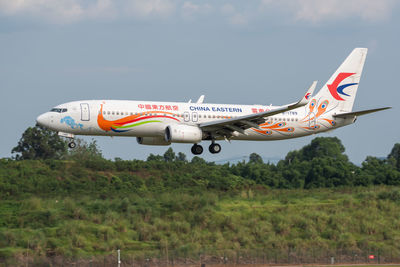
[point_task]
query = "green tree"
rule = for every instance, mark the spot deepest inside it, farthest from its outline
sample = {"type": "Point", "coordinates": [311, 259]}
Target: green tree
{"type": "Point", "coordinates": [39, 143]}
{"type": "Point", "coordinates": [181, 157]}
{"type": "Point", "coordinates": [255, 158]}
{"type": "Point", "coordinates": [85, 150]}
{"type": "Point", "coordinates": [394, 156]}
{"type": "Point", "coordinates": [378, 171]}
{"type": "Point", "coordinates": [198, 160]}
{"type": "Point", "coordinates": [153, 157]}
{"type": "Point", "coordinates": [169, 155]}
{"type": "Point", "coordinates": [330, 147]}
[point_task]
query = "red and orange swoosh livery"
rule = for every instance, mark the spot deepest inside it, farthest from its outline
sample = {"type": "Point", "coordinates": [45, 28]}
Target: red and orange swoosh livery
{"type": "Point", "coordinates": [124, 124]}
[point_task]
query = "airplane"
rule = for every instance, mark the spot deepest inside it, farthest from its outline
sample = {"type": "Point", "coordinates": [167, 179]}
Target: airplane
{"type": "Point", "coordinates": [162, 123]}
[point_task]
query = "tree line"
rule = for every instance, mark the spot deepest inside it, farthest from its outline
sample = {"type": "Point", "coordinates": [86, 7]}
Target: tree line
{"type": "Point", "coordinates": [322, 163]}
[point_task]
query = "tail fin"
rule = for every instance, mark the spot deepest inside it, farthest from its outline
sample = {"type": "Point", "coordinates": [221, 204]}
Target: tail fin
{"type": "Point", "coordinates": [340, 90]}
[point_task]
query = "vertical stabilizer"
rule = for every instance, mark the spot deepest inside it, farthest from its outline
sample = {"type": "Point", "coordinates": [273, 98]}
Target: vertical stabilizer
{"type": "Point", "coordinates": [341, 88]}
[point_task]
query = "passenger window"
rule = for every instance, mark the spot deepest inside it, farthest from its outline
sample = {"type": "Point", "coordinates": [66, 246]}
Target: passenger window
{"type": "Point", "coordinates": [108, 112]}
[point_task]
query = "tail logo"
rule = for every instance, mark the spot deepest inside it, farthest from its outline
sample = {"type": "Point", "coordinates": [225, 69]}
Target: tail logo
{"type": "Point", "coordinates": [335, 89]}
{"type": "Point", "coordinates": [307, 96]}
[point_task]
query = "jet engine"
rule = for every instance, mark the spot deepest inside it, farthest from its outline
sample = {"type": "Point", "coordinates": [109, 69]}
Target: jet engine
{"type": "Point", "coordinates": [181, 133]}
{"type": "Point", "coordinates": [152, 141]}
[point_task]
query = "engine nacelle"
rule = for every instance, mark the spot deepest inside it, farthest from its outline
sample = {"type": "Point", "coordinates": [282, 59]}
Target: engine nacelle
{"type": "Point", "coordinates": [152, 141]}
{"type": "Point", "coordinates": [180, 133]}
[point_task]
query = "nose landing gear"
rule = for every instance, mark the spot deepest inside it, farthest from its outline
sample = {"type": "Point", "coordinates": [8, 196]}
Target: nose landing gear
{"type": "Point", "coordinates": [72, 144]}
{"type": "Point", "coordinates": [70, 137]}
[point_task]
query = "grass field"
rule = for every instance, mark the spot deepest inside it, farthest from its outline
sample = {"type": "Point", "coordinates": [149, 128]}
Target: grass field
{"type": "Point", "coordinates": [279, 225]}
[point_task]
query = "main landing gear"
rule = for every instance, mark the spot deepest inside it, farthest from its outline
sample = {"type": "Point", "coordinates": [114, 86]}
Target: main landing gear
{"type": "Point", "coordinates": [214, 148]}
{"type": "Point", "coordinates": [197, 149]}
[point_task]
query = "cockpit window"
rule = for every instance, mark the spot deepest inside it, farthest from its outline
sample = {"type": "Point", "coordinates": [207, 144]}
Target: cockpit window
{"type": "Point", "coordinates": [59, 110]}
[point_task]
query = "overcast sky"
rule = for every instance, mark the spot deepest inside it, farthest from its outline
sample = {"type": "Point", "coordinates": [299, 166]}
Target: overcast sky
{"type": "Point", "coordinates": [241, 52]}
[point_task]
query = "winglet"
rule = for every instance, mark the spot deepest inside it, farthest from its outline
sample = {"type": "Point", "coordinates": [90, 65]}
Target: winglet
{"type": "Point", "coordinates": [305, 99]}
{"type": "Point", "coordinates": [200, 100]}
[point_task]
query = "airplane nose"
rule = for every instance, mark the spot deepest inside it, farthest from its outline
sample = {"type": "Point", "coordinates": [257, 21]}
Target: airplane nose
{"type": "Point", "coordinates": [41, 119]}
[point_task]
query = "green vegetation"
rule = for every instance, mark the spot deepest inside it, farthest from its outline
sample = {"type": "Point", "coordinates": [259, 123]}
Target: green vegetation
{"type": "Point", "coordinates": [314, 202]}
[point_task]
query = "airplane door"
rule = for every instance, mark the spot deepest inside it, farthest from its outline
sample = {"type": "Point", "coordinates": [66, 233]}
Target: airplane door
{"type": "Point", "coordinates": [85, 112]}
{"type": "Point", "coordinates": [195, 117]}
{"type": "Point", "coordinates": [186, 116]}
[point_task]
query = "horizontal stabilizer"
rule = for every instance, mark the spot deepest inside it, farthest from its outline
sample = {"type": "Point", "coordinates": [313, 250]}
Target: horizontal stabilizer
{"type": "Point", "coordinates": [359, 113]}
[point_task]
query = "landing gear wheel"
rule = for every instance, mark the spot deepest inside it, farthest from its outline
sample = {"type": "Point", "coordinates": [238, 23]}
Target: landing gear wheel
{"type": "Point", "coordinates": [197, 149]}
{"type": "Point", "coordinates": [214, 148]}
{"type": "Point", "coordinates": [72, 144]}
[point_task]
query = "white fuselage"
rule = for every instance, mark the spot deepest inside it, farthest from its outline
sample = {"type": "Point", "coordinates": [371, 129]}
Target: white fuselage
{"type": "Point", "coordinates": [163, 123]}
{"type": "Point", "coordinates": [150, 119]}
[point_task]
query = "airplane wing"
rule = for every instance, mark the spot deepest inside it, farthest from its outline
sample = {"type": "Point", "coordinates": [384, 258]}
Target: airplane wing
{"type": "Point", "coordinates": [240, 124]}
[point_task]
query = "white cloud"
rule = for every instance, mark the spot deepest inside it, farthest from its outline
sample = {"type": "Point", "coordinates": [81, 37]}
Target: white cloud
{"type": "Point", "coordinates": [102, 9]}
{"type": "Point", "coordinates": [149, 8]}
{"type": "Point", "coordinates": [329, 10]}
{"type": "Point", "coordinates": [234, 17]}
{"type": "Point", "coordinates": [60, 10]}
{"type": "Point", "coordinates": [191, 10]}
{"type": "Point", "coordinates": [236, 13]}
{"type": "Point", "coordinates": [67, 11]}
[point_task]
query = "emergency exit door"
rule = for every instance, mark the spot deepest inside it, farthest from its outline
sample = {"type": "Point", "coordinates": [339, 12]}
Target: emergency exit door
{"type": "Point", "coordinates": [85, 112]}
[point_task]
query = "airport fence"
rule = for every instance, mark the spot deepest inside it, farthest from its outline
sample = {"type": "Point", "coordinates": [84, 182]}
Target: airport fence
{"type": "Point", "coordinates": [242, 257]}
